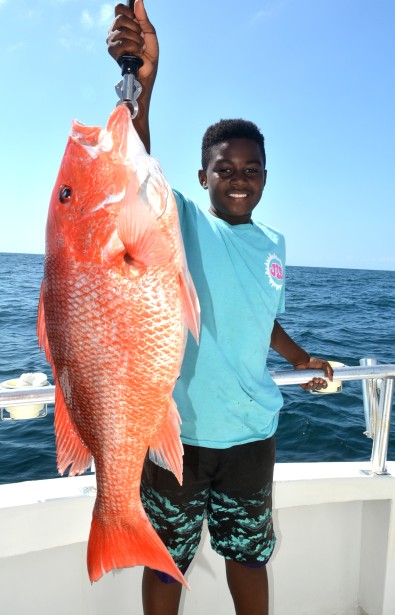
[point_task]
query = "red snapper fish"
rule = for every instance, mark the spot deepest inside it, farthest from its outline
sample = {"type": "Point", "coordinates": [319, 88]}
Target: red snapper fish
{"type": "Point", "coordinates": [116, 301]}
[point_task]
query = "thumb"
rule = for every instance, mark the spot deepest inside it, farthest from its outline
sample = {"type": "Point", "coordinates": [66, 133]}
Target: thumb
{"type": "Point", "coordinates": [141, 15]}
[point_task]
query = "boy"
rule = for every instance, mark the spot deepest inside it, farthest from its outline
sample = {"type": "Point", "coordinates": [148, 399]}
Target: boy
{"type": "Point", "coordinates": [228, 402]}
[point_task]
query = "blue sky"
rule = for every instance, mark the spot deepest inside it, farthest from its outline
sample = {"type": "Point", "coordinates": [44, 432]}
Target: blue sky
{"type": "Point", "coordinates": [317, 76]}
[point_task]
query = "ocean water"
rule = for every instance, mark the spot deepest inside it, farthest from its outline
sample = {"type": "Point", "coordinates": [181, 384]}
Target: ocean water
{"type": "Point", "coordinates": [338, 314]}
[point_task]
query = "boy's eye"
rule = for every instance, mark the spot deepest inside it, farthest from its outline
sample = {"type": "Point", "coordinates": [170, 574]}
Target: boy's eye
{"type": "Point", "coordinates": [224, 171]}
{"type": "Point", "coordinates": [251, 171]}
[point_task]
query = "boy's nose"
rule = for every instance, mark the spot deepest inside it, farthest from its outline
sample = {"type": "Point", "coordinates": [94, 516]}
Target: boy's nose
{"type": "Point", "coordinates": [238, 178]}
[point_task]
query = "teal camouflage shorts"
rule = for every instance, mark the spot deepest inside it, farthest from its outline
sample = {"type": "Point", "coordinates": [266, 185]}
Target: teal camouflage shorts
{"type": "Point", "coordinates": [232, 487]}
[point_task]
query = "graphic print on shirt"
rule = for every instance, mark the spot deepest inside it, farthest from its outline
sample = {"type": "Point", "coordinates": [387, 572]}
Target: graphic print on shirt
{"type": "Point", "coordinates": [274, 271]}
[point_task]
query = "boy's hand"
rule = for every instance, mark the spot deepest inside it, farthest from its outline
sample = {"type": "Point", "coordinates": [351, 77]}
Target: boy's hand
{"type": "Point", "coordinates": [132, 32]}
{"type": "Point", "coordinates": [316, 383]}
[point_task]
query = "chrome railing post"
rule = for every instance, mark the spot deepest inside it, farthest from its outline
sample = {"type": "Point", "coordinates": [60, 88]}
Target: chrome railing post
{"type": "Point", "coordinates": [370, 400]}
{"type": "Point", "coordinates": [383, 423]}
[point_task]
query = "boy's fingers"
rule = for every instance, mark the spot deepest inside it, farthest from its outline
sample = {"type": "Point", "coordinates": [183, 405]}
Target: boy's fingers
{"type": "Point", "coordinates": [123, 23]}
{"type": "Point", "coordinates": [327, 369]}
{"type": "Point", "coordinates": [124, 9]}
{"type": "Point", "coordinates": [125, 36]}
{"type": "Point", "coordinates": [125, 15]}
{"type": "Point", "coordinates": [316, 383]}
{"type": "Point", "coordinates": [324, 365]}
{"type": "Point", "coordinates": [128, 31]}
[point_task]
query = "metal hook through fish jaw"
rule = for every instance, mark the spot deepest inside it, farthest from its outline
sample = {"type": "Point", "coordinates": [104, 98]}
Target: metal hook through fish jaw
{"type": "Point", "coordinates": [128, 90]}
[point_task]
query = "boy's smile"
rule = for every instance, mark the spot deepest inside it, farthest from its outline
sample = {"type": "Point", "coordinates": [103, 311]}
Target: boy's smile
{"type": "Point", "coordinates": [235, 179]}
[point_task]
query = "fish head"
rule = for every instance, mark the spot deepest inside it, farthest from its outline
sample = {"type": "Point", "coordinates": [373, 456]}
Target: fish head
{"type": "Point", "coordinates": [90, 188]}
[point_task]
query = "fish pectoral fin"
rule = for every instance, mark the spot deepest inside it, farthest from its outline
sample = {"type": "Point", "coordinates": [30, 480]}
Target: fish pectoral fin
{"type": "Point", "coordinates": [140, 233]}
{"type": "Point", "coordinates": [166, 448]}
{"type": "Point", "coordinates": [113, 248]}
{"type": "Point", "coordinates": [190, 304]}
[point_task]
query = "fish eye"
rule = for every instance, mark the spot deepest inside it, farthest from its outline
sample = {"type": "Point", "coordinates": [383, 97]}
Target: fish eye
{"type": "Point", "coordinates": [65, 194]}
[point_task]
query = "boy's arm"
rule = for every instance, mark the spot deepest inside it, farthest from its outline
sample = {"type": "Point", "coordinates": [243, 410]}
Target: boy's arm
{"type": "Point", "coordinates": [282, 343]}
{"type": "Point", "coordinates": [132, 32]}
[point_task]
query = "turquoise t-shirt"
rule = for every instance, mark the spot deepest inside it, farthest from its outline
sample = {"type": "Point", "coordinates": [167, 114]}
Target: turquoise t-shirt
{"type": "Point", "coordinates": [225, 394]}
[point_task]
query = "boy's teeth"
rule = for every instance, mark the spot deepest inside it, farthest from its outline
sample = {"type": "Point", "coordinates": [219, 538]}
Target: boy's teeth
{"type": "Point", "coordinates": [238, 195]}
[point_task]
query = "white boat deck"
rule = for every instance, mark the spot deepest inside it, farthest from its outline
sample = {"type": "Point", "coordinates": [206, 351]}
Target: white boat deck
{"type": "Point", "coordinates": [335, 555]}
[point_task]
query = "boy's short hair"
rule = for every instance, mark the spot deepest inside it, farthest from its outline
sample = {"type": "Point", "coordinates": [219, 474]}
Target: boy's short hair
{"type": "Point", "coordinates": [230, 129]}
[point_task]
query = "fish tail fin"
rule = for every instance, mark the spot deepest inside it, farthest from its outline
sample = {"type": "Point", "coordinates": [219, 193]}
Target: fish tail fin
{"type": "Point", "coordinates": [128, 544]}
{"type": "Point", "coordinates": [190, 303]}
{"type": "Point", "coordinates": [166, 448]}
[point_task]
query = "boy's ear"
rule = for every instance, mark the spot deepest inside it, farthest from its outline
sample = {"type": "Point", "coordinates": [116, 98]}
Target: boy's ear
{"type": "Point", "coordinates": [264, 177]}
{"type": "Point", "coordinates": [203, 178]}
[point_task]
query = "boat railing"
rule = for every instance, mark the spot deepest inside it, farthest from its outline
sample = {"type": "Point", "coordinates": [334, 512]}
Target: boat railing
{"type": "Point", "coordinates": [377, 391]}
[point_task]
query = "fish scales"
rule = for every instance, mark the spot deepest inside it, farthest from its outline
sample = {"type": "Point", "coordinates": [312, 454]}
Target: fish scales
{"type": "Point", "coordinates": [115, 305]}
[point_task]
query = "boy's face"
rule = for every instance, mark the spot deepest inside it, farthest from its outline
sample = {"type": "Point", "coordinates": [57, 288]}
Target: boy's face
{"type": "Point", "coordinates": [235, 179]}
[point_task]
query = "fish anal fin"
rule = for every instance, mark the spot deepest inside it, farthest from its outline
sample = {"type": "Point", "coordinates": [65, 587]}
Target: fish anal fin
{"type": "Point", "coordinates": [129, 543]}
{"type": "Point", "coordinates": [190, 304]}
{"type": "Point", "coordinates": [140, 232]}
{"type": "Point", "coordinates": [166, 448]}
{"type": "Point", "coordinates": [71, 450]}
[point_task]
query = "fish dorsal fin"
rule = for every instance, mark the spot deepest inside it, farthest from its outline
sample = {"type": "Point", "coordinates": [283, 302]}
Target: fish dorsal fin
{"type": "Point", "coordinates": [140, 233]}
